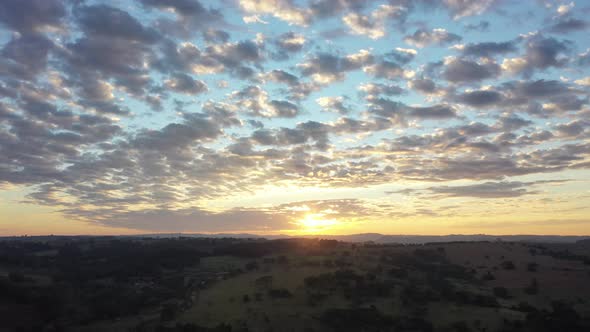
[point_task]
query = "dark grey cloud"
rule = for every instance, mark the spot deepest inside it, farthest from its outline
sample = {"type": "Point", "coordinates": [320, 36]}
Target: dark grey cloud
{"type": "Point", "coordinates": [27, 54]}
{"type": "Point", "coordinates": [32, 16]}
{"type": "Point", "coordinates": [114, 23]}
{"type": "Point", "coordinates": [423, 85]}
{"type": "Point", "coordinates": [537, 88]}
{"type": "Point", "coordinates": [541, 53]}
{"type": "Point", "coordinates": [433, 112]}
{"type": "Point", "coordinates": [109, 56]}
{"type": "Point", "coordinates": [480, 98]}
{"type": "Point", "coordinates": [372, 90]}
{"type": "Point", "coordinates": [466, 71]}
{"type": "Point", "coordinates": [184, 83]}
{"type": "Point", "coordinates": [399, 113]}
{"type": "Point", "coordinates": [486, 190]}
{"type": "Point", "coordinates": [191, 16]}
{"type": "Point", "coordinates": [216, 36]}
{"type": "Point", "coordinates": [386, 70]}
{"type": "Point", "coordinates": [488, 49]}
{"type": "Point", "coordinates": [236, 57]}
{"type": "Point", "coordinates": [569, 24]}
{"type": "Point", "coordinates": [573, 129]}
{"type": "Point", "coordinates": [281, 76]}
{"type": "Point", "coordinates": [544, 52]}
{"type": "Point", "coordinates": [177, 135]}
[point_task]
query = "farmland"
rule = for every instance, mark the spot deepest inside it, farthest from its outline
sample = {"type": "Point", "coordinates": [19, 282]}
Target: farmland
{"type": "Point", "coordinates": [184, 284]}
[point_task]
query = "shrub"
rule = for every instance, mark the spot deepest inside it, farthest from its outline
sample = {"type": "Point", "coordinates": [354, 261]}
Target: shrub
{"type": "Point", "coordinates": [508, 265]}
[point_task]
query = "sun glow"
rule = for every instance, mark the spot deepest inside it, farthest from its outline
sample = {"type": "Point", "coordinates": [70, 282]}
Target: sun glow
{"type": "Point", "coordinates": [314, 223]}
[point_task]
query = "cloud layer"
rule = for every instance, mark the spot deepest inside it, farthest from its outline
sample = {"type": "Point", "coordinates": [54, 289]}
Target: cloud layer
{"type": "Point", "coordinates": [141, 114]}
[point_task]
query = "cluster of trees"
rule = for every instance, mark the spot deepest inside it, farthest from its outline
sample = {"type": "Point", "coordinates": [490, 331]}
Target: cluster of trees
{"type": "Point", "coordinates": [348, 283]}
{"type": "Point", "coordinates": [370, 320]}
{"type": "Point", "coordinates": [91, 278]}
{"type": "Point", "coordinates": [561, 317]}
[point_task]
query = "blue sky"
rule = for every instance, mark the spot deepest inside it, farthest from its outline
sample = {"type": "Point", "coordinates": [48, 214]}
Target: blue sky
{"type": "Point", "coordinates": [298, 117]}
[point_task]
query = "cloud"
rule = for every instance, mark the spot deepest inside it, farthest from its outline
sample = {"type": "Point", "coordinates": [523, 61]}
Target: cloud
{"type": "Point", "coordinates": [433, 112]}
{"type": "Point", "coordinates": [257, 100]}
{"type": "Point", "coordinates": [196, 220]}
{"type": "Point", "coordinates": [541, 53]}
{"type": "Point", "coordinates": [216, 36]}
{"type": "Point", "coordinates": [291, 42]}
{"type": "Point", "coordinates": [422, 38]}
{"type": "Point", "coordinates": [333, 104]}
{"type": "Point", "coordinates": [32, 16]}
{"type": "Point", "coordinates": [458, 70]}
{"type": "Point", "coordinates": [374, 26]}
{"type": "Point", "coordinates": [284, 10]}
{"type": "Point", "coordinates": [423, 85]}
{"type": "Point", "coordinates": [281, 76]}
{"type": "Point", "coordinates": [569, 25]}
{"type": "Point", "coordinates": [29, 54]}
{"type": "Point", "coordinates": [113, 23]}
{"type": "Point", "coordinates": [399, 113]}
{"type": "Point", "coordinates": [487, 49]}
{"type": "Point", "coordinates": [482, 26]}
{"type": "Point", "coordinates": [372, 90]}
{"type": "Point", "coordinates": [253, 19]}
{"type": "Point", "coordinates": [288, 44]}
{"type": "Point", "coordinates": [464, 8]}
{"type": "Point", "coordinates": [139, 114]}
{"type": "Point", "coordinates": [488, 190]}
{"type": "Point", "coordinates": [583, 81]}
{"type": "Point", "coordinates": [185, 84]}
{"type": "Point", "coordinates": [565, 8]}
{"type": "Point", "coordinates": [326, 68]}
{"type": "Point", "coordinates": [480, 98]}
{"type": "Point", "coordinates": [191, 16]}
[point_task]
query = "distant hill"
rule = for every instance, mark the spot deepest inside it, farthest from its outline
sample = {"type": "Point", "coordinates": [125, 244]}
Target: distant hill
{"type": "Point", "coordinates": [364, 237]}
{"type": "Point", "coordinates": [402, 239]}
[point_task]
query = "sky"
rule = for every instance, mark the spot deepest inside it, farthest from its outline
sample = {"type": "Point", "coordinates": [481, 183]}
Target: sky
{"type": "Point", "coordinates": [294, 117]}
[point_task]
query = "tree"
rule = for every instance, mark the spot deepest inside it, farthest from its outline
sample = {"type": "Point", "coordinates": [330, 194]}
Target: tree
{"type": "Point", "coordinates": [488, 276]}
{"type": "Point", "coordinates": [168, 312]}
{"type": "Point", "coordinates": [501, 292]}
{"type": "Point", "coordinates": [532, 267]}
{"type": "Point", "coordinates": [533, 288]}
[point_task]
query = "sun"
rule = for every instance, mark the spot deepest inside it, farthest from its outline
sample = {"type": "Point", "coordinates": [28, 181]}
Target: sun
{"type": "Point", "coordinates": [314, 223]}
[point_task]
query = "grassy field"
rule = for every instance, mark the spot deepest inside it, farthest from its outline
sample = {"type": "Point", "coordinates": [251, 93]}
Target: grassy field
{"type": "Point", "coordinates": [558, 280]}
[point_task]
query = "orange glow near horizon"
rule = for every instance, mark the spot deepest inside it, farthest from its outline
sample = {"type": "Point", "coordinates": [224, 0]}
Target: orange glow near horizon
{"type": "Point", "coordinates": [316, 223]}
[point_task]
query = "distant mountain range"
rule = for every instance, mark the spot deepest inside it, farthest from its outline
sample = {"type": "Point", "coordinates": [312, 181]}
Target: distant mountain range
{"type": "Point", "coordinates": [364, 237]}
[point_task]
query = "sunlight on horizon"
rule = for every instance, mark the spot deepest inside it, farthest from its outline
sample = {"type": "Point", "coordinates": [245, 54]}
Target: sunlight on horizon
{"type": "Point", "coordinates": [316, 223]}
